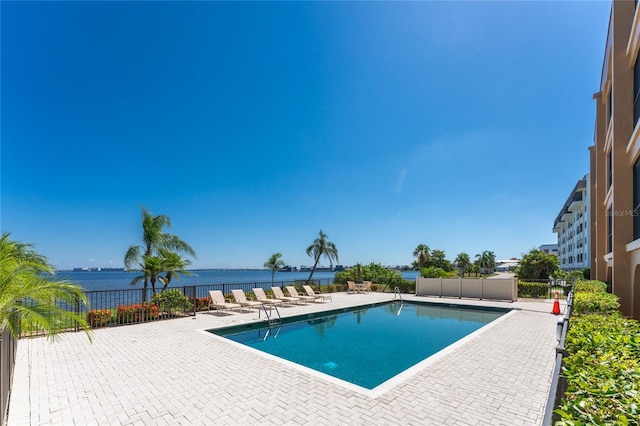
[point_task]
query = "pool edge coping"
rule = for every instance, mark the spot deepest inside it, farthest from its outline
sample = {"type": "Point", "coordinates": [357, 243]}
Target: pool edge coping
{"type": "Point", "coordinates": [385, 386]}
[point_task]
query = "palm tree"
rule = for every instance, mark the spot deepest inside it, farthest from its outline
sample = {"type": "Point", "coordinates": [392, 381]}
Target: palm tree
{"type": "Point", "coordinates": [274, 263]}
{"type": "Point", "coordinates": [27, 275]}
{"type": "Point", "coordinates": [151, 267]}
{"type": "Point", "coordinates": [462, 261]}
{"type": "Point", "coordinates": [154, 238]}
{"type": "Point", "coordinates": [173, 265]}
{"type": "Point", "coordinates": [422, 253]}
{"type": "Point", "coordinates": [486, 261]}
{"type": "Point", "coordinates": [321, 247]}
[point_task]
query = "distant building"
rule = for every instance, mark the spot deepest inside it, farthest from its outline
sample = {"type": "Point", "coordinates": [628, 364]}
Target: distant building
{"type": "Point", "coordinates": [573, 228]}
{"type": "Point", "coordinates": [615, 161]}
{"type": "Point", "coordinates": [507, 265]}
{"type": "Point", "coordinates": [549, 248]}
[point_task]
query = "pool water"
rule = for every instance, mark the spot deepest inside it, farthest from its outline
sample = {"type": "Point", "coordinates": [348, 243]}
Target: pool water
{"type": "Point", "coordinates": [367, 346]}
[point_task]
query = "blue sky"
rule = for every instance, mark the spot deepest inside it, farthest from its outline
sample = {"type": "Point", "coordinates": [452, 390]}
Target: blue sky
{"type": "Point", "coordinates": [253, 125]}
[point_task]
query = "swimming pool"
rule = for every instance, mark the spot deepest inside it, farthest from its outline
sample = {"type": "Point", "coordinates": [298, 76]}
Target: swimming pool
{"type": "Point", "coordinates": [365, 346]}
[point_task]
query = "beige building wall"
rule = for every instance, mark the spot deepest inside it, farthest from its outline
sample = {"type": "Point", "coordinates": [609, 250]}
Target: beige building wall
{"type": "Point", "coordinates": [615, 251]}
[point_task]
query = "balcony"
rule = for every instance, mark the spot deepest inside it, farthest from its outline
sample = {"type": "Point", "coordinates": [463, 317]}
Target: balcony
{"type": "Point", "coordinates": [576, 202]}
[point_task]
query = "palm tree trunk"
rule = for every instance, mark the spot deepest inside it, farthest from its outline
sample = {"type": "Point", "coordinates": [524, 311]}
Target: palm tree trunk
{"type": "Point", "coordinates": [313, 269]}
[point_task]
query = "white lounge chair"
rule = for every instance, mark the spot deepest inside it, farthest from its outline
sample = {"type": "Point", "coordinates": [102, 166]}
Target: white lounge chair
{"type": "Point", "coordinates": [310, 292]}
{"type": "Point", "coordinates": [278, 294]}
{"type": "Point", "coordinates": [241, 298]}
{"type": "Point", "coordinates": [294, 293]}
{"type": "Point", "coordinates": [217, 302]}
{"type": "Point", "coordinates": [262, 297]}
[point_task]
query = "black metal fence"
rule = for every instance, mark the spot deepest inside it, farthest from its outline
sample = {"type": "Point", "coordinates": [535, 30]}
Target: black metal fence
{"type": "Point", "coordinates": [107, 308]}
{"type": "Point", "coordinates": [558, 382]}
{"type": "Point", "coordinates": [550, 288]}
{"type": "Point", "coordinates": [8, 346]}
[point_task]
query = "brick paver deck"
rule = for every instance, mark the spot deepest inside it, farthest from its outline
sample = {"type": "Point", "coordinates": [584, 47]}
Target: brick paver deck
{"type": "Point", "coordinates": [169, 373]}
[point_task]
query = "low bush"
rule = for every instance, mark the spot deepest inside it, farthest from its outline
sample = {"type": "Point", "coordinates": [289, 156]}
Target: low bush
{"type": "Point", "coordinates": [407, 286]}
{"type": "Point", "coordinates": [375, 287]}
{"type": "Point", "coordinates": [592, 286]}
{"type": "Point", "coordinates": [595, 303]}
{"type": "Point", "coordinates": [602, 368]}
{"type": "Point", "coordinates": [171, 301]}
{"type": "Point", "coordinates": [202, 303]}
{"type": "Point", "coordinates": [330, 288]}
{"type": "Point", "coordinates": [99, 317]}
{"type": "Point", "coordinates": [536, 290]}
{"type": "Point", "coordinates": [137, 313]}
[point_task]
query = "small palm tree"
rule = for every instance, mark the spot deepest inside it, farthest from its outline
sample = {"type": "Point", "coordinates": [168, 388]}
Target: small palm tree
{"type": "Point", "coordinates": [173, 265]}
{"type": "Point", "coordinates": [486, 261]}
{"type": "Point", "coordinates": [274, 263]}
{"type": "Point", "coordinates": [462, 261]}
{"type": "Point", "coordinates": [422, 253]}
{"type": "Point", "coordinates": [321, 247]}
{"type": "Point", "coordinates": [151, 269]}
{"type": "Point", "coordinates": [154, 238]}
{"type": "Point", "coordinates": [26, 275]}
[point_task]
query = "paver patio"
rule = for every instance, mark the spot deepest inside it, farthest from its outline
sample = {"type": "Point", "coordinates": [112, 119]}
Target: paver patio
{"type": "Point", "coordinates": [170, 372]}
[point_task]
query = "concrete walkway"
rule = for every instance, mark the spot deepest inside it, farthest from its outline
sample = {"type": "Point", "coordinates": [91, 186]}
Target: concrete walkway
{"type": "Point", "coordinates": [171, 373]}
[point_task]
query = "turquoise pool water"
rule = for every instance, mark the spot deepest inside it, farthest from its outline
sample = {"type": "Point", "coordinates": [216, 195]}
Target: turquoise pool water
{"type": "Point", "coordinates": [366, 346]}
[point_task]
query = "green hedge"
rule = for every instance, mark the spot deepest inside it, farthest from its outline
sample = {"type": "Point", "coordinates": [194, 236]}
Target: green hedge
{"type": "Point", "coordinates": [591, 286]}
{"type": "Point", "coordinates": [533, 289]}
{"type": "Point", "coordinates": [602, 369]}
{"type": "Point", "coordinates": [595, 303]}
{"type": "Point", "coordinates": [602, 362]}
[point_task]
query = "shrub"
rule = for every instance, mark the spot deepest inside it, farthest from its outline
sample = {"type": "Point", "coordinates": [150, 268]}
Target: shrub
{"type": "Point", "coordinates": [99, 317]}
{"type": "Point", "coordinates": [202, 303]}
{"type": "Point", "coordinates": [137, 313]}
{"type": "Point", "coordinates": [330, 288]}
{"type": "Point", "coordinates": [172, 300]}
{"type": "Point", "coordinates": [595, 303]}
{"type": "Point", "coordinates": [602, 368]}
{"type": "Point", "coordinates": [433, 272]}
{"type": "Point", "coordinates": [592, 286]}
{"type": "Point", "coordinates": [374, 287]}
{"type": "Point", "coordinates": [407, 286]}
{"type": "Point", "coordinates": [374, 272]}
{"type": "Point", "coordinates": [535, 290]}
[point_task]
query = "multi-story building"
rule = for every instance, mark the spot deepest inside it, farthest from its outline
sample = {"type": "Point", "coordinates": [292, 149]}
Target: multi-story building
{"type": "Point", "coordinates": [615, 168]}
{"type": "Point", "coordinates": [549, 248]}
{"type": "Point", "coordinates": [572, 226]}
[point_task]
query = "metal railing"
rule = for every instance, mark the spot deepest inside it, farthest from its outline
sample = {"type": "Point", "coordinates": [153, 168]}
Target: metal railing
{"type": "Point", "coordinates": [8, 346]}
{"type": "Point", "coordinates": [107, 308]}
{"type": "Point", "coordinates": [558, 382]}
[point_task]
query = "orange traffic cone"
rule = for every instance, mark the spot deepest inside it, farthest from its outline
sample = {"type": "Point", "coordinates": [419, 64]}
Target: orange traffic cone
{"type": "Point", "coordinates": [556, 306]}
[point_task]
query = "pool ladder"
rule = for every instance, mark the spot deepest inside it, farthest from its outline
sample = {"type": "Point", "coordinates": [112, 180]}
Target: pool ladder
{"type": "Point", "coordinates": [272, 320]}
{"type": "Point", "coordinates": [396, 292]}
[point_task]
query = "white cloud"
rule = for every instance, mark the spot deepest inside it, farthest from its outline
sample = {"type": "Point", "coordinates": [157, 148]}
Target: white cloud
{"type": "Point", "coordinates": [401, 179]}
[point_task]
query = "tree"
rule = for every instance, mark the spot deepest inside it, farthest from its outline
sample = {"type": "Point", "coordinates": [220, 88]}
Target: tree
{"type": "Point", "coordinates": [321, 247]}
{"type": "Point", "coordinates": [154, 239]}
{"type": "Point", "coordinates": [422, 253]}
{"type": "Point", "coordinates": [274, 263]}
{"type": "Point", "coordinates": [439, 260]}
{"type": "Point", "coordinates": [462, 261]}
{"type": "Point", "coordinates": [537, 265]}
{"type": "Point", "coordinates": [173, 265]}
{"type": "Point", "coordinates": [486, 261]}
{"type": "Point", "coordinates": [27, 275]}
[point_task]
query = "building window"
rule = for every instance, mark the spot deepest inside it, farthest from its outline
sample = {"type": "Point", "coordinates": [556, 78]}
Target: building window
{"type": "Point", "coordinates": [609, 231]}
{"type": "Point", "coordinates": [636, 91]}
{"type": "Point", "coordinates": [636, 200]}
{"type": "Point", "coordinates": [609, 169]}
